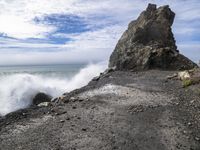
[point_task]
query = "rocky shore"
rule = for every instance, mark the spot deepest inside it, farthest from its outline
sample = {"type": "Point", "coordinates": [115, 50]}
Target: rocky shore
{"type": "Point", "coordinates": [122, 110]}
{"type": "Point", "coordinates": [136, 104]}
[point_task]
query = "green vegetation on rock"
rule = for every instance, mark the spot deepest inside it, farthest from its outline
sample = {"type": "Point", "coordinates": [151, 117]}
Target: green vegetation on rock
{"type": "Point", "coordinates": [186, 82]}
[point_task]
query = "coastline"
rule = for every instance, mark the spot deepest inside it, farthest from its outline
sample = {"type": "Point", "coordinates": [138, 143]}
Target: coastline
{"type": "Point", "coordinates": [140, 108]}
{"type": "Point", "coordinates": [137, 103]}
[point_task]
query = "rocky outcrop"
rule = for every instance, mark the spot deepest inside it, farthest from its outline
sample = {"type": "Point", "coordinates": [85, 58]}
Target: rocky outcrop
{"type": "Point", "coordinates": [40, 98]}
{"type": "Point", "coordinates": [148, 43]}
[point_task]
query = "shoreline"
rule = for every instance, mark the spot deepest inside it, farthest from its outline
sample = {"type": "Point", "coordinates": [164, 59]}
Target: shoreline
{"type": "Point", "coordinates": [143, 107]}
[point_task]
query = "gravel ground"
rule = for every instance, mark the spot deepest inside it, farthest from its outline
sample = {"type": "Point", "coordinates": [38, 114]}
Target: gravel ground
{"type": "Point", "coordinates": [121, 110]}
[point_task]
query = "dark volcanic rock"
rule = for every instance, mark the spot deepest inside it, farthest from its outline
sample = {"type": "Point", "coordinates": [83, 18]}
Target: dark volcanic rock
{"type": "Point", "coordinates": [149, 43]}
{"type": "Point", "coordinates": [41, 97]}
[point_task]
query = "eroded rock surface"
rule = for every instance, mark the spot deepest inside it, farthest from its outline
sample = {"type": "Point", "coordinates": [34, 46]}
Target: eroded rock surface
{"type": "Point", "coordinates": [148, 43]}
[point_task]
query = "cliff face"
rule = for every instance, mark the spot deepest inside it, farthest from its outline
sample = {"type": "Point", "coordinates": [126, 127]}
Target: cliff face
{"type": "Point", "coordinates": [148, 43]}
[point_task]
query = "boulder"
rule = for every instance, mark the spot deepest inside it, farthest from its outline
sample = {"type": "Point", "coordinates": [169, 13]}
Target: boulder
{"type": "Point", "coordinates": [148, 43]}
{"type": "Point", "coordinates": [40, 98]}
{"type": "Point", "coordinates": [184, 75]}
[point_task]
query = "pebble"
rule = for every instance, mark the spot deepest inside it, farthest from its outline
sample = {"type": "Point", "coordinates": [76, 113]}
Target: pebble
{"type": "Point", "coordinates": [61, 98]}
{"type": "Point", "coordinates": [64, 112]}
{"type": "Point", "coordinates": [61, 121]}
{"type": "Point", "coordinates": [84, 129]}
{"type": "Point", "coordinates": [74, 107]}
{"type": "Point", "coordinates": [189, 123]}
{"type": "Point", "coordinates": [80, 100]}
{"type": "Point", "coordinates": [177, 103]}
{"type": "Point", "coordinates": [185, 132]}
{"type": "Point", "coordinates": [192, 101]}
{"type": "Point", "coordinates": [197, 138]}
{"type": "Point", "coordinates": [73, 99]}
{"type": "Point", "coordinates": [24, 114]}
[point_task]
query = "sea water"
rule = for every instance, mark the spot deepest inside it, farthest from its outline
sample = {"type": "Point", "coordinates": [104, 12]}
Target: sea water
{"type": "Point", "coordinates": [19, 84]}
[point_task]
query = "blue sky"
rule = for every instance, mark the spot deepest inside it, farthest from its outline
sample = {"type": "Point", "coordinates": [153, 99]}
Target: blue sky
{"type": "Point", "coordinates": [82, 31]}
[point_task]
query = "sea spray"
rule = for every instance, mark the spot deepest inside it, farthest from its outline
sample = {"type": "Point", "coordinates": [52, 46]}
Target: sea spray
{"type": "Point", "coordinates": [18, 90]}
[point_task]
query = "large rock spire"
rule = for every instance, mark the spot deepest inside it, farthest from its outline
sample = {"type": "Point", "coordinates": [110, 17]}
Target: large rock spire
{"type": "Point", "coordinates": [148, 43]}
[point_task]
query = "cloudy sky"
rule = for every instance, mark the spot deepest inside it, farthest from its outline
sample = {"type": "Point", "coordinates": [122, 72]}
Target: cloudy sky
{"type": "Point", "coordinates": [80, 31]}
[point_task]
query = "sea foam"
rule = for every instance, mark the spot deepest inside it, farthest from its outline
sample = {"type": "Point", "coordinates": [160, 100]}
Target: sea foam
{"type": "Point", "coordinates": [18, 90]}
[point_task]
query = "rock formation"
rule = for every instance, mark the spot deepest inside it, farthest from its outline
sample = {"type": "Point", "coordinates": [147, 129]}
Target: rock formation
{"type": "Point", "coordinates": [40, 98]}
{"type": "Point", "coordinates": [148, 43]}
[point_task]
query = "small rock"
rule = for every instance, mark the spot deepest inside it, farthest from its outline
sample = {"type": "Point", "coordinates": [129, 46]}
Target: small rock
{"type": "Point", "coordinates": [73, 99]}
{"type": "Point", "coordinates": [61, 121]}
{"type": "Point", "coordinates": [74, 107]}
{"type": "Point", "coordinates": [84, 129]}
{"type": "Point", "coordinates": [172, 76]}
{"type": "Point", "coordinates": [96, 78]}
{"type": "Point", "coordinates": [189, 123]}
{"type": "Point", "coordinates": [197, 138]}
{"type": "Point", "coordinates": [24, 114]}
{"type": "Point", "coordinates": [40, 98]}
{"type": "Point", "coordinates": [112, 113]}
{"type": "Point", "coordinates": [44, 104]}
{"type": "Point", "coordinates": [80, 100]}
{"type": "Point", "coordinates": [185, 132]}
{"type": "Point", "coordinates": [52, 110]}
{"type": "Point", "coordinates": [183, 75]}
{"type": "Point", "coordinates": [177, 103]}
{"type": "Point", "coordinates": [192, 101]}
{"type": "Point", "coordinates": [61, 98]}
{"type": "Point", "coordinates": [64, 112]}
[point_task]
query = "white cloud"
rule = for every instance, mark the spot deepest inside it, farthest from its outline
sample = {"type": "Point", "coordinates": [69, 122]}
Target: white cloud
{"type": "Point", "coordinates": [16, 17]}
{"type": "Point", "coordinates": [17, 27]}
{"type": "Point", "coordinates": [90, 46]}
{"type": "Point", "coordinates": [16, 20]}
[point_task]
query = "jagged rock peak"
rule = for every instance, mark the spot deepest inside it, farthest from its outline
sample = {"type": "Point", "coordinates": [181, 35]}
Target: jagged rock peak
{"type": "Point", "coordinates": [148, 43]}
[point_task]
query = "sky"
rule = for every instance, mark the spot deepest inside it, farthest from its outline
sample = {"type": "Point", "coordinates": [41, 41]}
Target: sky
{"type": "Point", "coordinates": [82, 31]}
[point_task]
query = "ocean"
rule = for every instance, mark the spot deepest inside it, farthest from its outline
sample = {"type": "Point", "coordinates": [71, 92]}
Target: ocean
{"type": "Point", "coordinates": [19, 84]}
